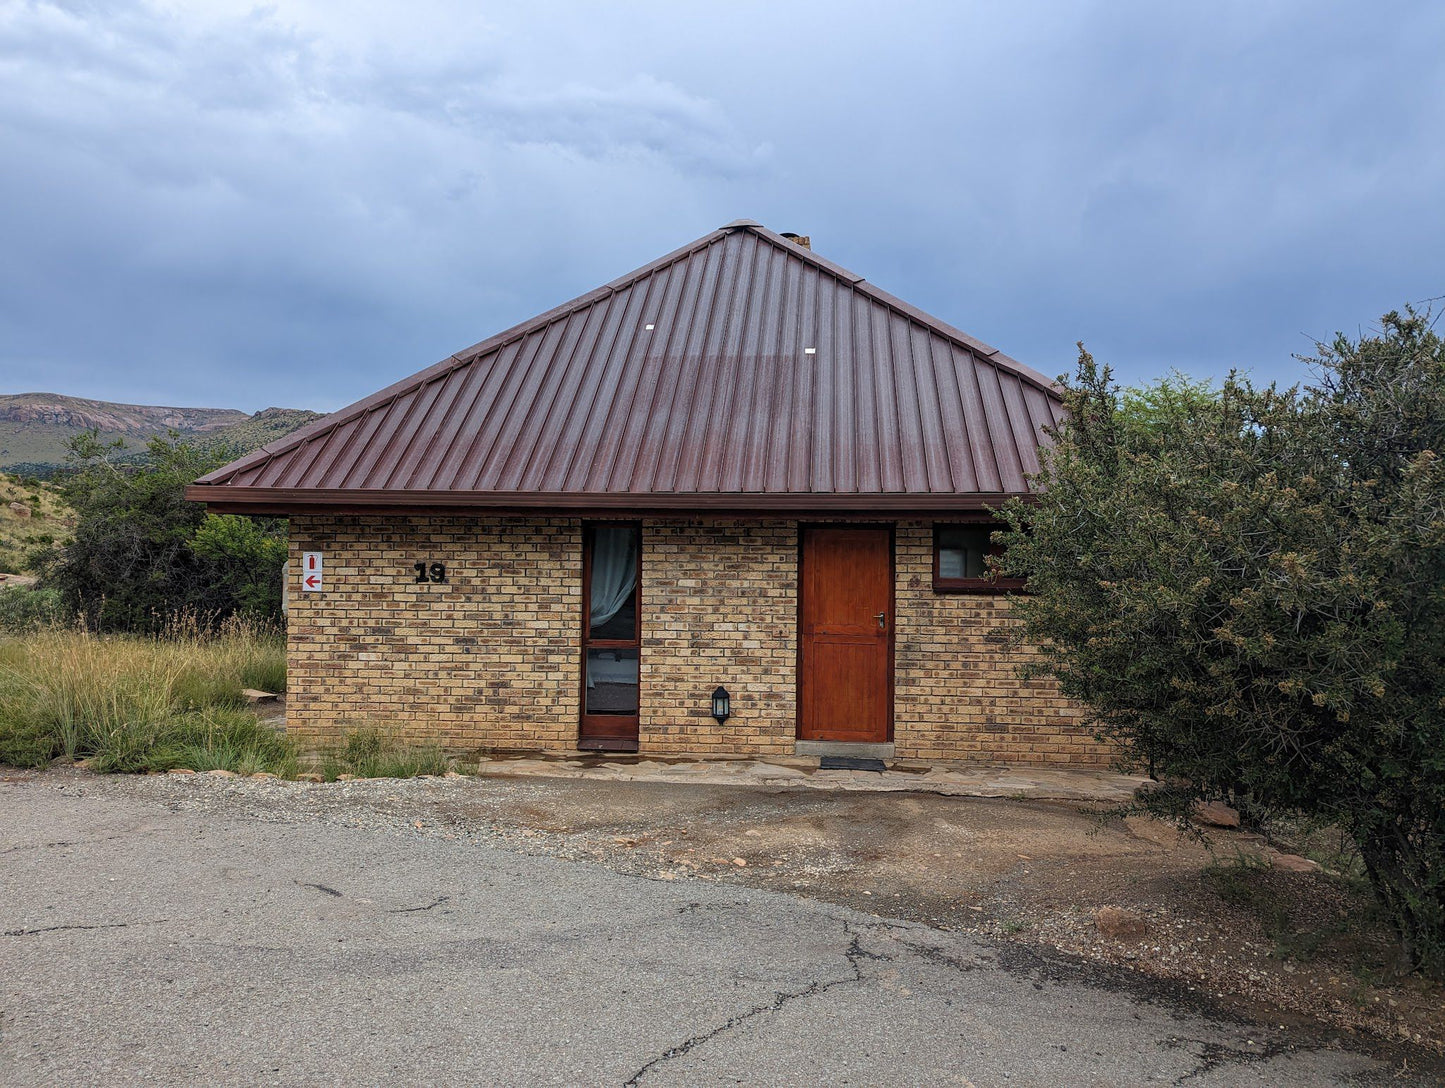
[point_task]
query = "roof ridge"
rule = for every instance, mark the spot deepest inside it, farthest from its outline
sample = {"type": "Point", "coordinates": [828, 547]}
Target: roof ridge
{"type": "Point", "coordinates": [453, 362]}
{"type": "Point", "coordinates": [906, 309]}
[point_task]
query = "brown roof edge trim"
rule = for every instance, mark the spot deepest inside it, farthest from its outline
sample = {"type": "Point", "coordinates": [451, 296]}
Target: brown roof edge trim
{"type": "Point", "coordinates": [626, 280]}
{"type": "Point", "coordinates": [807, 255]}
{"type": "Point", "coordinates": [452, 362]}
{"type": "Point", "coordinates": [280, 499]}
{"type": "Point", "coordinates": [907, 309]}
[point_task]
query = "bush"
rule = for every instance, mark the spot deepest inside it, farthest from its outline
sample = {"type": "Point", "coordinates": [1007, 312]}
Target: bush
{"type": "Point", "coordinates": [141, 552]}
{"type": "Point", "coordinates": [1247, 588]}
{"type": "Point", "coordinates": [25, 609]}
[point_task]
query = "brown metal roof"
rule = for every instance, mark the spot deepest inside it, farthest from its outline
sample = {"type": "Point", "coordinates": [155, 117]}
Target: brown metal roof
{"type": "Point", "coordinates": [742, 371]}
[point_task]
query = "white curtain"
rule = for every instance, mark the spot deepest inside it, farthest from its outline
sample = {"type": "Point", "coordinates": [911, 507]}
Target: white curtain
{"type": "Point", "coordinates": [614, 572]}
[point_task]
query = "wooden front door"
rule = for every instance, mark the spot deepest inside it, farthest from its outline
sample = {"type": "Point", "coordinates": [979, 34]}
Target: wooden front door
{"type": "Point", "coordinates": [846, 635]}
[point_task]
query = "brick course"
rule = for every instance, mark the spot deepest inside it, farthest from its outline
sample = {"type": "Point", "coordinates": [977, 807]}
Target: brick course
{"type": "Point", "coordinates": [720, 606]}
{"type": "Point", "coordinates": [487, 659]}
{"type": "Point", "coordinates": [957, 693]}
{"type": "Point", "coordinates": [491, 658]}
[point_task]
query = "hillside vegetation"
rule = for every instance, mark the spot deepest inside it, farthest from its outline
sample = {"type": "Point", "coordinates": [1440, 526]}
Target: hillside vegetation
{"type": "Point", "coordinates": [141, 552]}
{"type": "Point", "coordinates": [50, 522]}
{"type": "Point", "coordinates": [36, 428]}
{"type": "Point", "coordinates": [254, 432]}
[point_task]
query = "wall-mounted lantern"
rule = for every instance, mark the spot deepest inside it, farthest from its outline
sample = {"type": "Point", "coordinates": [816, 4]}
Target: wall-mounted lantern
{"type": "Point", "coordinates": [722, 704]}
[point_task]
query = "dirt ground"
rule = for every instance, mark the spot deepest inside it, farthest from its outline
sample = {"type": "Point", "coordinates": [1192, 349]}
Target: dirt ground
{"type": "Point", "coordinates": [1278, 946]}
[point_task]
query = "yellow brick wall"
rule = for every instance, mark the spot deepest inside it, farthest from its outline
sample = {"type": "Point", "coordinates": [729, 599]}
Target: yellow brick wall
{"type": "Point", "coordinates": [491, 658]}
{"type": "Point", "coordinates": [719, 606]}
{"type": "Point", "coordinates": [956, 689]}
{"type": "Point", "coordinates": [487, 659]}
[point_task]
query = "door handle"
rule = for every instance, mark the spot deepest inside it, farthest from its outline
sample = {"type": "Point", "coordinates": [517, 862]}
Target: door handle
{"type": "Point", "coordinates": [882, 620]}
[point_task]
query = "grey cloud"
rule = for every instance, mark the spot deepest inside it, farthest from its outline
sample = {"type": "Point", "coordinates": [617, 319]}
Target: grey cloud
{"type": "Point", "coordinates": [257, 205]}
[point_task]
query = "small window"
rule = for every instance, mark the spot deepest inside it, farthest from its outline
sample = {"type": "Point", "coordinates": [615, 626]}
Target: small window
{"type": "Point", "coordinates": [960, 559]}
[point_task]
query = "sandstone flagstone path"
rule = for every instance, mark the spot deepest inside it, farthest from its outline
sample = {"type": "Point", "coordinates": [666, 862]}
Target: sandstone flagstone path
{"type": "Point", "coordinates": [952, 779]}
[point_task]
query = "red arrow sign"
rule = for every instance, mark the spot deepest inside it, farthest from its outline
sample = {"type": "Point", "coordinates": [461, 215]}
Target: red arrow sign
{"type": "Point", "coordinates": [313, 563]}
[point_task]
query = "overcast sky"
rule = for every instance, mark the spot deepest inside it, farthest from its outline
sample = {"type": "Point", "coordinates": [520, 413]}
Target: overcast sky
{"type": "Point", "coordinates": [233, 205]}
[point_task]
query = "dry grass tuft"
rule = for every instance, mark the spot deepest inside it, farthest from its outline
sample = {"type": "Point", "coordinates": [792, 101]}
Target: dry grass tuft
{"type": "Point", "coordinates": [372, 752]}
{"type": "Point", "coordinates": [140, 703]}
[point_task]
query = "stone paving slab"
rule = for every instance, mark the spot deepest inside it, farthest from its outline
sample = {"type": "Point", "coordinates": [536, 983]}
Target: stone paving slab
{"type": "Point", "coordinates": [951, 779]}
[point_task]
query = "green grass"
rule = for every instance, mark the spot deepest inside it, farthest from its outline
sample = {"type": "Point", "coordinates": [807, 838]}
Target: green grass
{"type": "Point", "coordinates": [204, 740]}
{"type": "Point", "coordinates": [266, 670]}
{"type": "Point", "coordinates": [130, 703]}
{"type": "Point", "coordinates": [134, 704]}
{"type": "Point", "coordinates": [371, 752]}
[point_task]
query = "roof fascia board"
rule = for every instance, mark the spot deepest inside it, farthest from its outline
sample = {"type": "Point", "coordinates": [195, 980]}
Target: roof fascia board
{"type": "Point", "coordinates": [282, 499]}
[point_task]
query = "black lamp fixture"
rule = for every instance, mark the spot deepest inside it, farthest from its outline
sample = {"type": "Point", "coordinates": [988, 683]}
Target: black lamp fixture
{"type": "Point", "coordinates": [722, 704]}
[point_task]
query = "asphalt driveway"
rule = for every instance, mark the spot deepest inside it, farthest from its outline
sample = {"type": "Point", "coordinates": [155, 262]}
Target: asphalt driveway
{"type": "Point", "coordinates": [144, 939]}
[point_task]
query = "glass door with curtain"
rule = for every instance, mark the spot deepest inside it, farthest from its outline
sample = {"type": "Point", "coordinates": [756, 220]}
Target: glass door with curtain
{"type": "Point", "coordinates": [611, 635]}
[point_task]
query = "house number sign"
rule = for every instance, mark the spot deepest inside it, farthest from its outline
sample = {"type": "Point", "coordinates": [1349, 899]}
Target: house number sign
{"type": "Point", "coordinates": [430, 572]}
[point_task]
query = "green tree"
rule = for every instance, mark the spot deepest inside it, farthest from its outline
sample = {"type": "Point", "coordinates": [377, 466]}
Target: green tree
{"type": "Point", "coordinates": [1250, 596]}
{"type": "Point", "coordinates": [1166, 403]}
{"type": "Point", "coordinates": [141, 552]}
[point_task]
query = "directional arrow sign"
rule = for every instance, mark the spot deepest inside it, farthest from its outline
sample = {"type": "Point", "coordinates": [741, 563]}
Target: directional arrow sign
{"type": "Point", "coordinates": [311, 571]}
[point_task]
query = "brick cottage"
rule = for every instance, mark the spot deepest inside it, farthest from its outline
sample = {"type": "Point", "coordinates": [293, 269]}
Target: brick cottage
{"type": "Point", "coordinates": [732, 503]}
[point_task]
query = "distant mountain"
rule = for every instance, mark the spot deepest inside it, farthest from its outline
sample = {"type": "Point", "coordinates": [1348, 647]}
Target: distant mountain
{"type": "Point", "coordinates": [35, 427]}
{"type": "Point", "coordinates": [267, 425]}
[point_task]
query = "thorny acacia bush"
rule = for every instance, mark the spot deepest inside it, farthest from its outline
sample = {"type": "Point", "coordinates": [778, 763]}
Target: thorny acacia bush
{"type": "Point", "coordinates": [1247, 589]}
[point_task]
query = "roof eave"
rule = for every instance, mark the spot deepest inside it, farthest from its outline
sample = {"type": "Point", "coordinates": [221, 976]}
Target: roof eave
{"type": "Point", "coordinates": [283, 501]}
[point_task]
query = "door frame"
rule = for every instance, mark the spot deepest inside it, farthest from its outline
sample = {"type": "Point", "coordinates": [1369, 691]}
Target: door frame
{"type": "Point", "coordinates": [803, 526]}
{"type": "Point", "coordinates": [606, 743]}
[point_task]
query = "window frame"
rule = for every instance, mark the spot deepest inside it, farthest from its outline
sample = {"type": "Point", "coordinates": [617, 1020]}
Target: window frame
{"type": "Point", "coordinates": [986, 584]}
{"type": "Point", "coordinates": [607, 732]}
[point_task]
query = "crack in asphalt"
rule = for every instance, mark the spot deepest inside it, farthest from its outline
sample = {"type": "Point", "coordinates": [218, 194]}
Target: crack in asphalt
{"type": "Point", "coordinates": [699, 908]}
{"type": "Point", "coordinates": [943, 959]}
{"type": "Point", "coordinates": [853, 953]}
{"type": "Point", "coordinates": [97, 925]}
{"type": "Point", "coordinates": [80, 842]}
{"type": "Point", "coordinates": [412, 910]}
{"type": "Point", "coordinates": [319, 888]}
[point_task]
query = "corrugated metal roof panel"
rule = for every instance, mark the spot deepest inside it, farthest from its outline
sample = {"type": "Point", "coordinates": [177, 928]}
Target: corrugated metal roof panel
{"type": "Point", "coordinates": [739, 365]}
